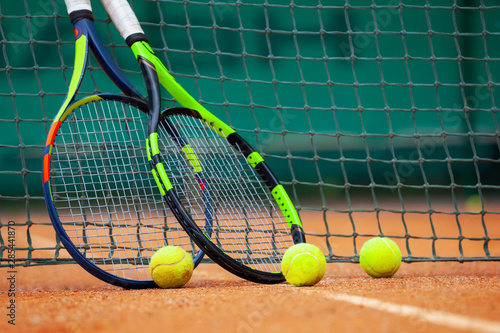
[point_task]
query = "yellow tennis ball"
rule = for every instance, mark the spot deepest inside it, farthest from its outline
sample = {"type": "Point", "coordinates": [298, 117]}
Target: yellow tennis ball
{"type": "Point", "coordinates": [380, 257]}
{"type": "Point", "coordinates": [474, 204]}
{"type": "Point", "coordinates": [303, 265]}
{"type": "Point", "coordinates": [171, 267]}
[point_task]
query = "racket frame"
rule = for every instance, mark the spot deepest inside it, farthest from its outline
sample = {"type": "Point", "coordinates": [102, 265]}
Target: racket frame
{"type": "Point", "coordinates": [85, 263]}
{"type": "Point", "coordinates": [86, 37]}
{"type": "Point", "coordinates": [201, 238]}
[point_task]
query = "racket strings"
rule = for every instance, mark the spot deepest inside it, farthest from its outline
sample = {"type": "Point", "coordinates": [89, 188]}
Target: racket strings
{"type": "Point", "coordinates": [111, 211]}
{"type": "Point", "coordinates": [247, 224]}
{"type": "Point", "coordinates": [104, 193]}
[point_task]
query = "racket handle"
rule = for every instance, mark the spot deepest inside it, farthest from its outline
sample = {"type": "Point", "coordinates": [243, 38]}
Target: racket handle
{"type": "Point", "coordinates": [74, 5]}
{"type": "Point", "coordinates": [123, 17]}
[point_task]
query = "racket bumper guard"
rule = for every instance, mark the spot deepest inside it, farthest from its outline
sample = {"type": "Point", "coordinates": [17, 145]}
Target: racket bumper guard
{"type": "Point", "coordinates": [298, 234]}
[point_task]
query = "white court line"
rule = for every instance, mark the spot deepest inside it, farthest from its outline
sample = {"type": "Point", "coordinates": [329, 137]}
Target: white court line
{"type": "Point", "coordinates": [435, 317]}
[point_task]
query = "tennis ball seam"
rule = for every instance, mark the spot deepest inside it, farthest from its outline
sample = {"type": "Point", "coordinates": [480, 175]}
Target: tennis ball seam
{"type": "Point", "coordinates": [395, 255]}
{"type": "Point", "coordinates": [367, 264]}
{"type": "Point", "coordinates": [175, 263]}
{"type": "Point", "coordinates": [299, 254]}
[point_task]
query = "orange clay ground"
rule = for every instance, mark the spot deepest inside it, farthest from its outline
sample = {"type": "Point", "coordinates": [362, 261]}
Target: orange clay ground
{"type": "Point", "coordinates": [421, 297]}
{"type": "Point", "coordinates": [67, 299]}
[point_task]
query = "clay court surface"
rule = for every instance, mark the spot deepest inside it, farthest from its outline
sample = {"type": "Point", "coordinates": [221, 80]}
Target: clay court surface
{"type": "Point", "coordinates": [421, 297]}
{"type": "Point", "coordinates": [67, 299]}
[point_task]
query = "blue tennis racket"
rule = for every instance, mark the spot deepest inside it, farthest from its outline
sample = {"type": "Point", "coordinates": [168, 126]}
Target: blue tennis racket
{"type": "Point", "coordinates": [99, 191]}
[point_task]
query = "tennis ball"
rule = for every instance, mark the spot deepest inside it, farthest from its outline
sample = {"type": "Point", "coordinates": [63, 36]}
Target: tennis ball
{"type": "Point", "coordinates": [474, 204]}
{"type": "Point", "coordinates": [171, 267]}
{"type": "Point", "coordinates": [303, 265]}
{"type": "Point", "coordinates": [380, 257]}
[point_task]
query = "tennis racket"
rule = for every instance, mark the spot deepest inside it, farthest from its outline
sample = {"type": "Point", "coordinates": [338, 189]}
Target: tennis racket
{"type": "Point", "coordinates": [99, 191]}
{"type": "Point", "coordinates": [253, 218]}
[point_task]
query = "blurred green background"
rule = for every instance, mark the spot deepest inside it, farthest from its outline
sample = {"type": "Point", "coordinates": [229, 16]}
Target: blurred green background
{"type": "Point", "coordinates": [338, 97]}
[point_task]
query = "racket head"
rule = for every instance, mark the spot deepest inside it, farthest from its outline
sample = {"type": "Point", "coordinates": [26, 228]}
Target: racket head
{"type": "Point", "coordinates": [253, 220]}
{"type": "Point", "coordinates": [99, 192]}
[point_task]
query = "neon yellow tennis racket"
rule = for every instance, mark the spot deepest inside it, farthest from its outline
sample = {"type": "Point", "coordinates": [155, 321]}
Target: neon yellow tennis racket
{"type": "Point", "coordinates": [253, 221]}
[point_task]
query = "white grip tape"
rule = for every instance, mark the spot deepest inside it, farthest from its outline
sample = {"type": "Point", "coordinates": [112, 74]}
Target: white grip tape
{"type": "Point", "coordinates": [74, 5]}
{"type": "Point", "coordinates": [123, 17]}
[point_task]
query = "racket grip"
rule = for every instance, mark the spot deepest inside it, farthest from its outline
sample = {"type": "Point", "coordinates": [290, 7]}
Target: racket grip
{"type": "Point", "coordinates": [74, 5]}
{"type": "Point", "coordinates": [123, 17]}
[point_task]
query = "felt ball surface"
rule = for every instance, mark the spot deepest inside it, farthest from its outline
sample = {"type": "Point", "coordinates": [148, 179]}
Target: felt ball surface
{"type": "Point", "coordinates": [380, 257]}
{"type": "Point", "coordinates": [171, 267]}
{"type": "Point", "coordinates": [303, 265]}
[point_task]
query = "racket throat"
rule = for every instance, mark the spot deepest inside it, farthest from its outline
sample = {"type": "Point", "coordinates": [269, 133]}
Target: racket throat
{"type": "Point", "coordinates": [153, 86]}
{"type": "Point", "coordinates": [297, 234]}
